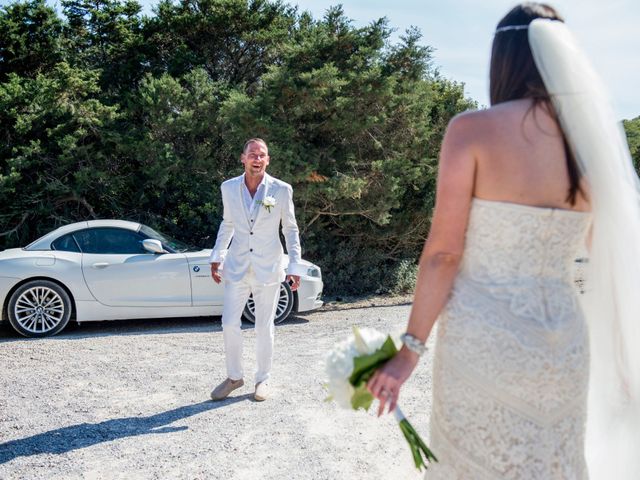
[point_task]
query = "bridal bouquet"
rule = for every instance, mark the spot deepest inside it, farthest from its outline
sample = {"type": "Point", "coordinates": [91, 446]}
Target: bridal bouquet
{"type": "Point", "coordinates": [350, 364]}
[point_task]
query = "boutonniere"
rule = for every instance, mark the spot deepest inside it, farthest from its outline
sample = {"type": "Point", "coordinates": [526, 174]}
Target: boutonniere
{"type": "Point", "coordinates": [268, 202]}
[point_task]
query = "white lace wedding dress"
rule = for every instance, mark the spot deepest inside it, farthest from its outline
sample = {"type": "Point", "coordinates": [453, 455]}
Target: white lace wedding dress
{"type": "Point", "coordinates": [511, 361]}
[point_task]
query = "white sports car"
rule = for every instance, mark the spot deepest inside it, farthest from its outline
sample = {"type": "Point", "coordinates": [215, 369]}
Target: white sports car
{"type": "Point", "coordinates": [115, 269]}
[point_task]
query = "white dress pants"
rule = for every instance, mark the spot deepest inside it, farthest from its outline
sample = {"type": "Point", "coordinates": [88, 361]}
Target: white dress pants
{"type": "Point", "coordinates": [265, 297]}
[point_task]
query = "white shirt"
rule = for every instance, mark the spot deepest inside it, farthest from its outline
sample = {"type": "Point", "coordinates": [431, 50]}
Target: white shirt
{"type": "Point", "coordinates": [249, 201]}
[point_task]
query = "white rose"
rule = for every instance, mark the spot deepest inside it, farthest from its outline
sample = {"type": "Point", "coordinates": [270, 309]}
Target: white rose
{"type": "Point", "coordinates": [269, 201]}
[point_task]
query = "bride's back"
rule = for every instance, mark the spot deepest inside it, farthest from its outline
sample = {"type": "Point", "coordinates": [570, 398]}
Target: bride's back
{"type": "Point", "coordinates": [520, 156]}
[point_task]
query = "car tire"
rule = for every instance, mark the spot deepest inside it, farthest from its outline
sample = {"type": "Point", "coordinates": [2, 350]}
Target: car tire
{"type": "Point", "coordinates": [39, 308]}
{"type": "Point", "coordinates": [283, 310]}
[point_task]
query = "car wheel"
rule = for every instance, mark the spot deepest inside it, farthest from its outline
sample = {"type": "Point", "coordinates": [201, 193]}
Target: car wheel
{"type": "Point", "coordinates": [39, 308]}
{"type": "Point", "coordinates": [285, 305]}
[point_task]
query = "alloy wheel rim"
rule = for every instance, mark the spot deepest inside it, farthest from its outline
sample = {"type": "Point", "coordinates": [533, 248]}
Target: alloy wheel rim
{"type": "Point", "coordinates": [39, 309]}
{"type": "Point", "coordinates": [283, 302]}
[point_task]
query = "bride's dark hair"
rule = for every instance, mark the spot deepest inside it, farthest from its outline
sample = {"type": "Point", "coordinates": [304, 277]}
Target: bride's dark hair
{"type": "Point", "coordinates": [513, 74]}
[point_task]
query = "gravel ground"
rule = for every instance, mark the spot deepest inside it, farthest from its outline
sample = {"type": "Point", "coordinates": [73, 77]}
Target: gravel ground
{"type": "Point", "coordinates": [130, 400]}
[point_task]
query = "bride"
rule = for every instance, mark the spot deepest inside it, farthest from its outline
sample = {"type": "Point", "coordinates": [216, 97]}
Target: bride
{"type": "Point", "coordinates": [530, 381]}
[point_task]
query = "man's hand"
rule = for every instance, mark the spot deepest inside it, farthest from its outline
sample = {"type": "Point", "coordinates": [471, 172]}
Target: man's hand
{"type": "Point", "coordinates": [214, 272]}
{"type": "Point", "coordinates": [294, 281]}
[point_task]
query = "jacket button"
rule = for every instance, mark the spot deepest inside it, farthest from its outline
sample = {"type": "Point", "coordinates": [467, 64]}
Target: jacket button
{"type": "Point", "coordinates": [251, 249]}
{"type": "Point", "coordinates": [250, 233]}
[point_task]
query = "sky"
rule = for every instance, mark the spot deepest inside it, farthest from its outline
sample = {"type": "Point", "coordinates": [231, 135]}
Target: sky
{"type": "Point", "coordinates": [461, 32]}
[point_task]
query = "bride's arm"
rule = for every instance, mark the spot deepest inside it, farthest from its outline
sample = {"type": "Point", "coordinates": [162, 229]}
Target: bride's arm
{"type": "Point", "coordinates": [441, 254]}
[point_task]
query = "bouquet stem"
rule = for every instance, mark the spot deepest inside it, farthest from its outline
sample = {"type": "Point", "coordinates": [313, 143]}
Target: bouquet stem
{"type": "Point", "coordinates": [421, 453]}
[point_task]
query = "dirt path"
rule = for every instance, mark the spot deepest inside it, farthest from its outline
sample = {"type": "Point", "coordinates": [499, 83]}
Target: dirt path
{"type": "Point", "coordinates": [129, 400]}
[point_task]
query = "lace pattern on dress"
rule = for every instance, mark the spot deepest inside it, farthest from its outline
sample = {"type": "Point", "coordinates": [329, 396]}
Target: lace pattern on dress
{"type": "Point", "coordinates": [511, 365]}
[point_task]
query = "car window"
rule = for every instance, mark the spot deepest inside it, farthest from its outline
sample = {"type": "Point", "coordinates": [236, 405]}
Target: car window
{"type": "Point", "coordinates": [65, 244]}
{"type": "Point", "coordinates": [110, 241]}
{"type": "Point", "coordinates": [169, 243]}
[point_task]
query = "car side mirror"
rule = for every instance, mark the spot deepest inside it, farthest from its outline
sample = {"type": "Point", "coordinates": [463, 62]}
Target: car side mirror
{"type": "Point", "coordinates": [152, 245]}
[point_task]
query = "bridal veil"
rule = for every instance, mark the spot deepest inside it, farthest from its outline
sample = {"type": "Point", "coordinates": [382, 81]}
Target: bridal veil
{"type": "Point", "coordinates": [612, 300]}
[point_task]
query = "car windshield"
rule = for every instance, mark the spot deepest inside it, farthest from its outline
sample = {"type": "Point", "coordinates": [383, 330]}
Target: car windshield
{"type": "Point", "coordinates": [172, 243]}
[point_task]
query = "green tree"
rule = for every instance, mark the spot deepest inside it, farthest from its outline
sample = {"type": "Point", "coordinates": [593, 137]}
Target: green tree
{"type": "Point", "coordinates": [106, 35]}
{"type": "Point", "coordinates": [632, 129]}
{"type": "Point", "coordinates": [234, 41]}
{"type": "Point", "coordinates": [178, 156]}
{"type": "Point", "coordinates": [29, 39]}
{"type": "Point", "coordinates": [356, 128]}
{"type": "Point", "coordinates": [134, 117]}
{"type": "Point", "coordinates": [56, 161]}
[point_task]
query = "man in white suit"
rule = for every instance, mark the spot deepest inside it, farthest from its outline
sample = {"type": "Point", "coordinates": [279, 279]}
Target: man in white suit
{"type": "Point", "coordinates": [255, 204]}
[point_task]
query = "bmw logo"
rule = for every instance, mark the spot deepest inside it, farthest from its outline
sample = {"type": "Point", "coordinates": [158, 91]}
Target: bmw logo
{"type": "Point", "coordinates": [196, 268]}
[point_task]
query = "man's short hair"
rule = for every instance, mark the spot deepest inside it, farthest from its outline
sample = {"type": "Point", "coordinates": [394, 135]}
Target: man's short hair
{"type": "Point", "coordinates": [253, 140]}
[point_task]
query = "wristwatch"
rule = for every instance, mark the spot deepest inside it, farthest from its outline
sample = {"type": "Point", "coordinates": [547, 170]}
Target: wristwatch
{"type": "Point", "coordinates": [413, 344]}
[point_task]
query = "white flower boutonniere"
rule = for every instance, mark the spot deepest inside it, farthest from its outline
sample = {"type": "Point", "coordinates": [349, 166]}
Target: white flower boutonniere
{"type": "Point", "coordinates": [269, 202]}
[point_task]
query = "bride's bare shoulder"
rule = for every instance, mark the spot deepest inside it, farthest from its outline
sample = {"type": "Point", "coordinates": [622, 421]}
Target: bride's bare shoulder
{"type": "Point", "coordinates": [479, 125]}
{"type": "Point", "coordinates": [469, 126]}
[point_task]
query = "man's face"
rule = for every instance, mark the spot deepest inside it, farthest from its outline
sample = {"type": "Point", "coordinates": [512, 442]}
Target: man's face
{"type": "Point", "coordinates": [255, 159]}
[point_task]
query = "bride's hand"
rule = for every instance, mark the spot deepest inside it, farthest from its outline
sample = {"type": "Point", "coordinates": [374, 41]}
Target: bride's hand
{"type": "Point", "coordinates": [386, 382]}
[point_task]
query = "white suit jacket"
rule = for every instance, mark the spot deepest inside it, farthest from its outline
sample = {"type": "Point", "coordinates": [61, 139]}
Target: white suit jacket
{"type": "Point", "coordinates": [255, 242]}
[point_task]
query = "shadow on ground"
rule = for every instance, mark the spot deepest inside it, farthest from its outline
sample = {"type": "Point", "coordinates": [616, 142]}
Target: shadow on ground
{"type": "Point", "coordinates": [149, 326]}
{"type": "Point", "coordinates": [74, 437]}
{"type": "Point", "coordinates": [339, 306]}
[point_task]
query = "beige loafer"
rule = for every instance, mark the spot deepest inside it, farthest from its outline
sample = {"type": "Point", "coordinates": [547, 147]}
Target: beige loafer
{"type": "Point", "coordinates": [262, 391]}
{"type": "Point", "coordinates": [223, 390]}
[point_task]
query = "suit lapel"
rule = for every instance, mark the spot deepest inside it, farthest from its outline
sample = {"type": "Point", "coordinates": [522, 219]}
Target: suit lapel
{"type": "Point", "coordinates": [243, 206]}
{"type": "Point", "coordinates": [268, 190]}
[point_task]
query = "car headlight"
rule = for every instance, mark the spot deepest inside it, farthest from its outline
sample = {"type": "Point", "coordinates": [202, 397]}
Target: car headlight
{"type": "Point", "coordinates": [313, 272]}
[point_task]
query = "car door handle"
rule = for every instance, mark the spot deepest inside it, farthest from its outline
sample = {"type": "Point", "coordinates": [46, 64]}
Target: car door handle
{"type": "Point", "coordinates": [100, 265]}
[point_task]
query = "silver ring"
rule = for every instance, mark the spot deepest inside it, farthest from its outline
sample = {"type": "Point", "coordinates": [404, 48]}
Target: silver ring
{"type": "Point", "coordinates": [385, 393]}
